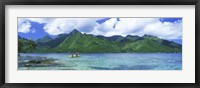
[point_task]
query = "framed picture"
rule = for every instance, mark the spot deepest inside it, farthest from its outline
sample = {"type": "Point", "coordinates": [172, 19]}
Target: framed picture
{"type": "Point", "coordinates": [95, 43]}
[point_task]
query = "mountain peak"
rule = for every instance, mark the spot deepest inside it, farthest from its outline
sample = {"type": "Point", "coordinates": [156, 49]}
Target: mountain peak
{"type": "Point", "coordinates": [149, 36]}
{"type": "Point", "coordinates": [74, 31]}
{"type": "Point", "coordinates": [132, 36]}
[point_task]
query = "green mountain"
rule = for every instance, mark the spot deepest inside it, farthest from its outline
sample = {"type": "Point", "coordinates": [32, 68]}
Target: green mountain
{"type": "Point", "coordinates": [150, 43]}
{"type": "Point", "coordinates": [44, 39]}
{"type": "Point", "coordinates": [78, 42]}
{"type": "Point", "coordinates": [115, 38]}
{"type": "Point", "coordinates": [54, 42]}
{"type": "Point", "coordinates": [25, 45]}
{"type": "Point", "coordinates": [87, 43]}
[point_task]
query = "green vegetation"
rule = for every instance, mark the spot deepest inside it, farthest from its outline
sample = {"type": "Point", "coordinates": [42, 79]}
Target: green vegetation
{"type": "Point", "coordinates": [53, 42]}
{"type": "Point", "coordinates": [25, 45]}
{"type": "Point", "coordinates": [44, 39]}
{"type": "Point", "coordinates": [86, 43]}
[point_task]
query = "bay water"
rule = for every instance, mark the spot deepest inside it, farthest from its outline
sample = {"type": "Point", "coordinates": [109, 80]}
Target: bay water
{"type": "Point", "coordinates": [106, 61]}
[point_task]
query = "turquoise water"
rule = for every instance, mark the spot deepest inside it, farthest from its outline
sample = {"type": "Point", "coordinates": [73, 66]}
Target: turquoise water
{"type": "Point", "coordinates": [105, 61]}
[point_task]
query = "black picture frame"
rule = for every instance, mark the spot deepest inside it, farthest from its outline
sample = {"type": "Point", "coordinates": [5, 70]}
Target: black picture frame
{"type": "Point", "coordinates": [99, 2]}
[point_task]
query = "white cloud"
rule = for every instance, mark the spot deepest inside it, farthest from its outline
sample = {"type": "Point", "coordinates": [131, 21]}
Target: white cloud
{"type": "Point", "coordinates": [66, 25]}
{"type": "Point", "coordinates": [132, 25]}
{"type": "Point", "coordinates": [58, 26]}
{"type": "Point", "coordinates": [106, 28]}
{"type": "Point", "coordinates": [24, 25]}
{"type": "Point", "coordinates": [140, 26]}
{"type": "Point", "coordinates": [55, 26]}
{"type": "Point", "coordinates": [107, 25]}
{"type": "Point", "coordinates": [166, 30]}
{"type": "Point", "coordinates": [40, 20]}
{"type": "Point", "coordinates": [124, 27]}
{"type": "Point", "coordinates": [96, 31]}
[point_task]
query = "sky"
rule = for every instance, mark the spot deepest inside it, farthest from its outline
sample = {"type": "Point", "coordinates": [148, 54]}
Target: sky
{"type": "Point", "coordinates": [165, 28]}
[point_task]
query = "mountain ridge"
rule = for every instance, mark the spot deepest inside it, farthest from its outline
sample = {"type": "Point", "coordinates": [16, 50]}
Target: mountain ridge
{"type": "Point", "coordinates": [75, 41]}
{"type": "Point", "coordinates": [44, 39]}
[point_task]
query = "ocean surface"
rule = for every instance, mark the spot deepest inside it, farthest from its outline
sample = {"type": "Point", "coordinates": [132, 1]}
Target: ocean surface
{"type": "Point", "coordinates": [101, 61]}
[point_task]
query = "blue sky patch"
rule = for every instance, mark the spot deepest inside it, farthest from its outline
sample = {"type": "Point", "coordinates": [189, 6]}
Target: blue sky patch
{"type": "Point", "coordinates": [170, 19]}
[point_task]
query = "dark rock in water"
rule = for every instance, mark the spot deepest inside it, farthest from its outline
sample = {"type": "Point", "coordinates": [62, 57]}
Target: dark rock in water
{"type": "Point", "coordinates": [34, 62]}
{"type": "Point", "coordinates": [37, 61]}
{"type": "Point", "coordinates": [27, 65]}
